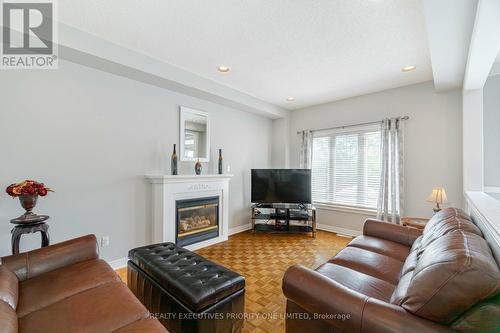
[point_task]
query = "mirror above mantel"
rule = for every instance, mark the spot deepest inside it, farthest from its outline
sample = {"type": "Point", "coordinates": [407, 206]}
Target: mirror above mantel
{"type": "Point", "coordinates": [194, 135]}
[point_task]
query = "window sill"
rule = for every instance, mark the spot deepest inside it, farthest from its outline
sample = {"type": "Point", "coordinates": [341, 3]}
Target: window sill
{"type": "Point", "coordinates": [345, 209]}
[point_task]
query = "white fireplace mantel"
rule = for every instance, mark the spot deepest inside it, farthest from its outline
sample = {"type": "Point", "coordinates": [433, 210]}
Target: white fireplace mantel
{"type": "Point", "coordinates": [164, 179]}
{"type": "Point", "coordinates": [167, 189]}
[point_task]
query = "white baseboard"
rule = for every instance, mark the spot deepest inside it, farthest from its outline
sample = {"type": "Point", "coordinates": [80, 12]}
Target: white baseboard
{"type": "Point", "coordinates": [118, 263]}
{"type": "Point", "coordinates": [240, 228]}
{"type": "Point", "coordinates": [325, 227]}
{"type": "Point", "coordinates": [339, 230]}
{"type": "Point", "coordinates": [492, 189]}
{"type": "Point", "coordinates": [122, 262]}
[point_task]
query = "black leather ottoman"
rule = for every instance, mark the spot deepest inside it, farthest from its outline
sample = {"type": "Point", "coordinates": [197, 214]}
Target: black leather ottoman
{"type": "Point", "coordinates": [185, 291]}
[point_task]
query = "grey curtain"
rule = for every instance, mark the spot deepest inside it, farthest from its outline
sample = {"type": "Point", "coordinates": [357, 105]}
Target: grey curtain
{"type": "Point", "coordinates": [391, 196]}
{"type": "Point", "coordinates": [306, 150]}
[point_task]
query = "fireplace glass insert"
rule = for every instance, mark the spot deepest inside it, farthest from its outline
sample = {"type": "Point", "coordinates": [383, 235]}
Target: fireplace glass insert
{"type": "Point", "coordinates": [197, 220]}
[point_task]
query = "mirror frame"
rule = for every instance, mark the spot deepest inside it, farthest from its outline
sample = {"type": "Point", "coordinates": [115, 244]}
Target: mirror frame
{"type": "Point", "coordinates": [184, 111]}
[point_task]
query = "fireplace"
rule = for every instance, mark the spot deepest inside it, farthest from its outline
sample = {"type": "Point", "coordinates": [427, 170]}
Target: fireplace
{"type": "Point", "coordinates": [197, 220]}
{"type": "Point", "coordinates": [168, 190]}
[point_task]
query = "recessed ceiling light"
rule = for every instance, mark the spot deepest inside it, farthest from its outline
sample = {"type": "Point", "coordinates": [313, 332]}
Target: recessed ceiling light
{"type": "Point", "coordinates": [223, 69]}
{"type": "Point", "coordinates": [290, 99]}
{"type": "Point", "coordinates": [408, 68]}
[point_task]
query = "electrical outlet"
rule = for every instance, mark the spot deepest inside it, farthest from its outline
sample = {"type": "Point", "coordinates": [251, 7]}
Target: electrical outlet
{"type": "Point", "coordinates": [104, 241]}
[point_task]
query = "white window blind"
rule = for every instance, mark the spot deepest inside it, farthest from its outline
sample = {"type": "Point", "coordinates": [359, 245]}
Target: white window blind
{"type": "Point", "coordinates": [346, 166]}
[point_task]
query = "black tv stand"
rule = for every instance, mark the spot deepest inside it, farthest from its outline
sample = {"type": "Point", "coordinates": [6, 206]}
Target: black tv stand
{"type": "Point", "coordinates": [284, 217]}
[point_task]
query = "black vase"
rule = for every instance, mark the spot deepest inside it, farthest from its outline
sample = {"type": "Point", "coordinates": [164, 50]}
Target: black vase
{"type": "Point", "coordinates": [220, 162]}
{"type": "Point", "coordinates": [173, 162]}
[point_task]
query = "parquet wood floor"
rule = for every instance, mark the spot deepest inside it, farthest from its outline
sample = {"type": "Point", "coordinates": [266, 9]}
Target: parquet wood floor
{"type": "Point", "coordinates": [263, 258]}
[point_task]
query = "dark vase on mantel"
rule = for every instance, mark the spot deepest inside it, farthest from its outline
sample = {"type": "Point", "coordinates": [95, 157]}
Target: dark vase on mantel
{"type": "Point", "coordinates": [220, 162]}
{"type": "Point", "coordinates": [173, 162]}
{"type": "Point", "coordinates": [197, 167]}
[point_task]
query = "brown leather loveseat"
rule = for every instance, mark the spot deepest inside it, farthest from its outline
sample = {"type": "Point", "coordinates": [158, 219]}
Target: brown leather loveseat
{"type": "Point", "coordinates": [393, 279]}
{"type": "Point", "coordinates": [66, 288]}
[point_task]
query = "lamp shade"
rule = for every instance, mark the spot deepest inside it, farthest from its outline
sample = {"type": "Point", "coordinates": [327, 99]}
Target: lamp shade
{"type": "Point", "coordinates": [438, 195]}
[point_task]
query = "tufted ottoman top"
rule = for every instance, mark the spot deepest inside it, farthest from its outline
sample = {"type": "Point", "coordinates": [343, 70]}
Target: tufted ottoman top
{"type": "Point", "coordinates": [194, 280]}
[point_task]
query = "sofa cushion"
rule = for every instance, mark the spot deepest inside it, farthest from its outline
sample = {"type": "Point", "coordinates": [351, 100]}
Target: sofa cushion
{"type": "Point", "coordinates": [412, 258]}
{"type": "Point", "coordinates": [9, 287]}
{"type": "Point", "coordinates": [381, 246]}
{"type": "Point", "coordinates": [102, 309]}
{"type": "Point", "coordinates": [407, 272]}
{"type": "Point", "coordinates": [51, 287]}
{"type": "Point", "coordinates": [402, 288]}
{"type": "Point", "coordinates": [454, 272]}
{"type": "Point", "coordinates": [371, 263]}
{"type": "Point", "coordinates": [360, 282]}
{"type": "Point", "coordinates": [445, 213]}
{"type": "Point", "coordinates": [445, 221]}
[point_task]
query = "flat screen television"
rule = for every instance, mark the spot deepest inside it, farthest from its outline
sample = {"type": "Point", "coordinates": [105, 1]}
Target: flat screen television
{"type": "Point", "coordinates": [281, 186]}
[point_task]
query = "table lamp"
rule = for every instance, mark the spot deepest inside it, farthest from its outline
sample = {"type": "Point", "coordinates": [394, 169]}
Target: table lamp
{"type": "Point", "coordinates": [438, 196]}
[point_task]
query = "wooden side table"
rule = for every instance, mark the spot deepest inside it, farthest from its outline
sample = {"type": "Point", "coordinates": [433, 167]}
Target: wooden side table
{"type": "Point", "coordinates": [415, 222]}
{"type": "Point", "coordinates": [22, 228]}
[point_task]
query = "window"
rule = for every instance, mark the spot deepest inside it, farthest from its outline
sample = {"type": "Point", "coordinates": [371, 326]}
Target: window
{"type": "Point", "coordinates": [346, 166]}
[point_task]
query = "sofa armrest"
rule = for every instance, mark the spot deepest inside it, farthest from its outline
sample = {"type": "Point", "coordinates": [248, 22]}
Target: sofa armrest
{"type": "Point", "coordinates": [33, 263]}
{"type": "Point", "coordinates": [8, 319]}
{"type": "Point", "coordinates": [317, 294]}
{"type": "Point", "coordinates": [391, 232]}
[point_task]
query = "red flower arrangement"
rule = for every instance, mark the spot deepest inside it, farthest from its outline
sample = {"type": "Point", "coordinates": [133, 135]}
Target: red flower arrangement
{"type": "Point", "coordinates": [27, 187]}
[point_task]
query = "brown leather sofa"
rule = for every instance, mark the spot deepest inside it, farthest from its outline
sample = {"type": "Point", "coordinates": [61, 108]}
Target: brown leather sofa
{"type": "Point", "coordinates": [66, 288]}
{"type": "Point", "coordinates": [395, 279]}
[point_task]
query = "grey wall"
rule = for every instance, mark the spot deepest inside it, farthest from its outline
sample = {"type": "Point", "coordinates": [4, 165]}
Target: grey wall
{"type": "Point", "coordinates": [433, 142]}
{"type": "Point", "coordinates": [92, 136]}
{"type": "Point", "coordinates": [491, 116]}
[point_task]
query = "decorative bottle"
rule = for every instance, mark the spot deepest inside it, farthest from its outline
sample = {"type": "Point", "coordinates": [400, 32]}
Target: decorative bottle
{"type": "Point", "coordinates": [197, 167]}
{"type": "Point", "coordinates": [173, 163]}
{"type": "Point", "coordinates": [220, 161]}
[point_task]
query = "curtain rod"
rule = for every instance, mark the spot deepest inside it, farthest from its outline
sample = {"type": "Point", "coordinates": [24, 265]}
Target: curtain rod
{"type": "Point", "coordinates": [353, 125]}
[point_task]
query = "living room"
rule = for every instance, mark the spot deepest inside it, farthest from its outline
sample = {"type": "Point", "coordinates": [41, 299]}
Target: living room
{"type": "Point", "coordinates": [341, 113]}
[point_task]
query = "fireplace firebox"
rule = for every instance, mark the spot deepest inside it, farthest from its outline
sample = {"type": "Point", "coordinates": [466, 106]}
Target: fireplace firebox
{"type": "Point", "coordinates": [197, 220]}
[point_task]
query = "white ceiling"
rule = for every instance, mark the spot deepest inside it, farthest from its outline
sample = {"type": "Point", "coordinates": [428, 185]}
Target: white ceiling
{"type": "Point", "coordinates": [316, 51]}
